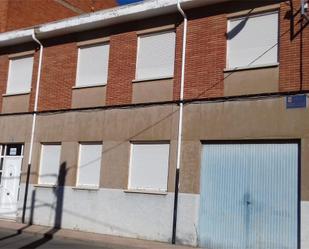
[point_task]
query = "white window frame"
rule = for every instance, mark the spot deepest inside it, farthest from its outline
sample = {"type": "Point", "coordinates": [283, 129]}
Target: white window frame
{"type": "Point", "coordinates": [8, 83]}
{"type": "Point", "coordinates": [40, 163]}
{"type": "Point", "coordinates": [138, 51]}
{"type": "Point", "coordinates": [258, 14]}
{"type": "Point", "coordinates": [78, 64]}
{"type": "Point", "coordinates": [129, 186]}
{"type": "Point", "coordinates": [94, 186]}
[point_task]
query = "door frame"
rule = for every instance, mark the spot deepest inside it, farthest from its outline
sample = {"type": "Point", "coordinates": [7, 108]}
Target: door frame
{"type": "Point", "coordinates": [296, 141]}
{"type": "Point", "coordinates": [3, 157]}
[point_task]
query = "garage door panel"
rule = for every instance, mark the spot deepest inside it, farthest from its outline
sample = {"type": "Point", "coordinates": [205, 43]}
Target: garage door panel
{"type": "Point", "coordinates": [249, 195]}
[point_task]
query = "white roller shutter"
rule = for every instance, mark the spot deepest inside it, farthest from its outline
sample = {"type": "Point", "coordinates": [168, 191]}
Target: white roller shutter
{"type": "Point", "coordinates": [92, 66]}
{"type": "Point", "coordinates": [253, 40]}
{"type": "Point", "coordinates": [149, 167]}
{"type": "Point", "coordinates": [156, 55]}
{"type": "Point", "coordinates": [20, 75]}
{"type": "Point", "coordinates": [50, 164]}
{"type": "Point", "coordinates": [89, 165]}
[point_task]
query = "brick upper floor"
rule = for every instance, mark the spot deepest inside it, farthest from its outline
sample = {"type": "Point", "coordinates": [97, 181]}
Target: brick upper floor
{"type": "Point", "coordinates": [126, 49]}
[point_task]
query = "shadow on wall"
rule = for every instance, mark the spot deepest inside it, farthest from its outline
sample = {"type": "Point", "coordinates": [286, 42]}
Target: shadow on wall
{"type": "Point", "coordinates": [235, 31]}
{"type": "Point", "coordinates": [59, 195]}
{"type": "Point", "coordinates": [59, 190]}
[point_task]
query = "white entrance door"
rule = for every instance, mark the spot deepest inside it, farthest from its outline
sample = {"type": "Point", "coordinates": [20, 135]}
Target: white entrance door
{"type": "Point", "coordinates": [9, 186]}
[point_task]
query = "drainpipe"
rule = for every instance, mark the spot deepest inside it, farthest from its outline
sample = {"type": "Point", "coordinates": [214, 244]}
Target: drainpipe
{"type": "Point", "coordinates": [33, 124]}
{"type": "Point", "coordinates": [180, 122]}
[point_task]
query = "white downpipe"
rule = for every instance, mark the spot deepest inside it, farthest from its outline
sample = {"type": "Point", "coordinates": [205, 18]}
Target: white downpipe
{"type": "Point", "coordinates": [179, 138]}
{"type": "Point", "coordinates": [182, 84]}
{"type": "Point", "coordinates": [33, 125]}
{"type": "Point", "coordinates": [38, 80]}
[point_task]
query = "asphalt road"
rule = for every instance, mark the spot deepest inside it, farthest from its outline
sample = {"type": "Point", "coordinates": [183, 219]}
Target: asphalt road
{"type": "Point", "coordinates": [12, 240]}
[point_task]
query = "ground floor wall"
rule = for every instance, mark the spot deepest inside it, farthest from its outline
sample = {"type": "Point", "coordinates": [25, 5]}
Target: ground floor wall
{"type": "Point", "coordinates": [304, 224]}
{"type": "Point", "coordinates": [110, 209]}
{"type": "Point", "coordinates": [114, 212]}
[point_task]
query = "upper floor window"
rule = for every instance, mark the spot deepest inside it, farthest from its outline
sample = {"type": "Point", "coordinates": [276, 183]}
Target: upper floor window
{"type": "Point", "coordinates": [92, 68]}
{"type": "Point", "coordinates": [20, 75]}
{"type": "Point", "coordinates": [156, 55]}
{"type": "Point", "coordinates": [253, 40]}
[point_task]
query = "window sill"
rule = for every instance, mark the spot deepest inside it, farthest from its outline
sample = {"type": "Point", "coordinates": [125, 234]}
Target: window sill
{"type": "Point", "coordinates": [89, 86]}
{"type": "Point", "coordinates": [45, 186]}
{"type": "Point", "coordinates": [15, 94]}
{"type": "Point", "coordinates": [153, 79]}
{"type": "Point", "coordinates": [227, 70]}
{"type": "Point", "coordinates": [86, 188]}
{"type": "Point", "coordinates": [145, 192]}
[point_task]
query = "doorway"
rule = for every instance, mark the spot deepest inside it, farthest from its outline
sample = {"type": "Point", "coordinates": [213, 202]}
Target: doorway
{"type": "Point", "coordinates": [249, 195]}
{"type": "Point", "coordinates": [11, 156]}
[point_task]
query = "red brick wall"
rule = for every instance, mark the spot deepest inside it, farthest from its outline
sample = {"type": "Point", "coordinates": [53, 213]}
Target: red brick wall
{"type": "Point", "coordinates": [25, 13]}
{"type": "Point", "coordinates": [58, 76]}
{"type": "Point", "coordinates": [4, 67]}
{"type": "Point", "coordinates": [122, 59]}
{"type": "Point", "coordinates": [205, 56]}
{"type": "Point", "coordinates": [92, 5]}
{"type": "Point", "coordinates": [16, 14]}
{"type": "Point", "coordinates": [294, 48]}
{"type": "Point", "coordinates": [3, 14]}
{"type": "Point", "coordinates": [34, 79]}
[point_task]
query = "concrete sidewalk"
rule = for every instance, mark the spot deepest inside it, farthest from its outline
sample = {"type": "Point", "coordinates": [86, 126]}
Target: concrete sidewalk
{"type": "Point", "coordinates": [113, 242]}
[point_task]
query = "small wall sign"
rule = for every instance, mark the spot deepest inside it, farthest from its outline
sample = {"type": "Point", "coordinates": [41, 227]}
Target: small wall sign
{"type": "Point", "coordinates": [296, 101]}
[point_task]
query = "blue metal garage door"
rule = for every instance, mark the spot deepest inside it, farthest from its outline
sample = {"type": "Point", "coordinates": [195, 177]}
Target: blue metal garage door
{"type": "Point", "coordinates": [249, 196]}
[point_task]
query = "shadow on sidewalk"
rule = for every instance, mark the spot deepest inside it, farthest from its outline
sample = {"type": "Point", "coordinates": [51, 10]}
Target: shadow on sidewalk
{"type": "Point", "coordinates": [20, 230]}
{"type": "Point", "coordinates": [59, 194]}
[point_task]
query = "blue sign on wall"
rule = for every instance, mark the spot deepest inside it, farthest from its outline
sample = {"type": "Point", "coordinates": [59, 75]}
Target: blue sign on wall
{"type": "Point", "coordinates": [296, 101]}
{"type": "Point", "coordinates": [122, 2]}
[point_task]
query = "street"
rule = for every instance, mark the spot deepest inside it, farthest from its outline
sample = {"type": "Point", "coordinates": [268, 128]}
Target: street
{"type": "Point", "coordinates": [14, 240]}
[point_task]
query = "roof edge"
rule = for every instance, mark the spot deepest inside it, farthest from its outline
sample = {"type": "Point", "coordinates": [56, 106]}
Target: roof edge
{"type": "Point", "coordinates": [102, 18]}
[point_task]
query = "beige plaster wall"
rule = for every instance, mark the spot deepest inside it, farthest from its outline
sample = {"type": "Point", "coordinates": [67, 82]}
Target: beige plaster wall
{"type": "Point", "coordinates": [89, 97]}
{"type": "Point", "coordinates": [250, 119]}
{"type": "Point", "coordinates": [116, 128]}
{"type": "Point", "coordinates": [15, 103]}
{"type": "Point", "coordinates": [254, 81]}
{"type": "Point", "coordinates": [152, 91]}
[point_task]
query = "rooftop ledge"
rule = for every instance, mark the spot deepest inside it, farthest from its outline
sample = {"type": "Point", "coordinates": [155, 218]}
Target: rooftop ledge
{"type": "Point", "coordinates": [103, 18]}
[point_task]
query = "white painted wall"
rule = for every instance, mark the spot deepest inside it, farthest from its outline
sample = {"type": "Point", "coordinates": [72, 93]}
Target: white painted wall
{"type": "Point", "coordinates": [305, 225]}
{"type": "Point", "coordinates": [112, 211]}
{"type": "Point", "coordinates": [187, 221]}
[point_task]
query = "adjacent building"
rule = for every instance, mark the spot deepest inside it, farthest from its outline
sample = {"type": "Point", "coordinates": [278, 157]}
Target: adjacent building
{"type": "Point", "coordinates": [91, 108]}
{"type": "Point", "coordinates": [16, 14]}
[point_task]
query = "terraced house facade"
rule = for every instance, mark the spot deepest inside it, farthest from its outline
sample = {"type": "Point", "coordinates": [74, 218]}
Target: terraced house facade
{"type": "Point", "coordinates": [179, 123]}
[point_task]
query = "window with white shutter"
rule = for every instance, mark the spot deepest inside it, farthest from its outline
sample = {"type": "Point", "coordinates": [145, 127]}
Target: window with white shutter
{"type": "Point", "coordinates": [49, 164]}
{"type": "Point", "coordinates": [149, 167]}
{"type": "Point", "coordinates": [20, 75]}
{"type": "Point", "coordinates": [89, 165]}
{"type": "Point", "coordinates": [92, 66]}
{"type": "Point", "coordinates": [156, 55]}
{"type": "Point", "coordinates": [252, 40]}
